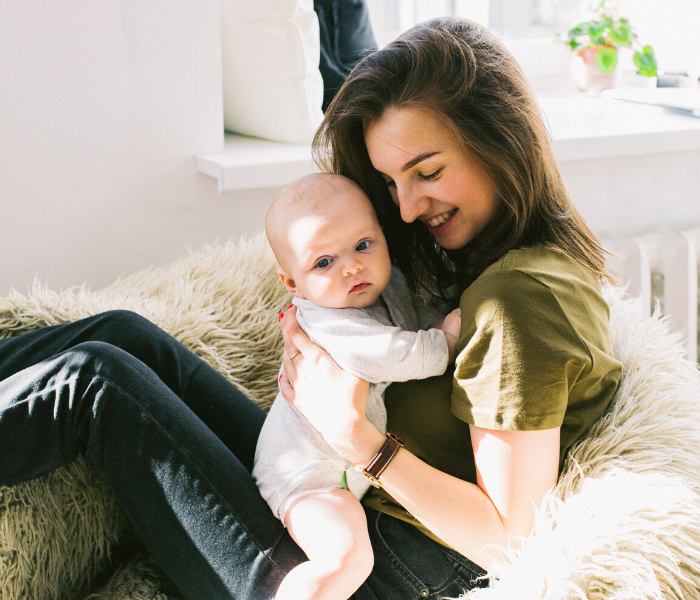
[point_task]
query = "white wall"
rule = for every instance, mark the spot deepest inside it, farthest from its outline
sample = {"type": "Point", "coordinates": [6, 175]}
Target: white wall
{"type": "Point", "coordinates": [628, 194]}
{"type": "Point", "coordinates": [671, 27]}
{"type": "Point", "coordinates": [103, 104]}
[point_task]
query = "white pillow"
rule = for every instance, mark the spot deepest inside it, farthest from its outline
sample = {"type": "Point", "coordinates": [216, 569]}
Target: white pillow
{"type": "Point", "coordinates": [272, 84]}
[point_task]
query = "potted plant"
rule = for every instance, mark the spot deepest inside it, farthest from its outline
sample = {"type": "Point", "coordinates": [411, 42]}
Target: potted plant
{"type": "Point", "coordinates": [595, 42]}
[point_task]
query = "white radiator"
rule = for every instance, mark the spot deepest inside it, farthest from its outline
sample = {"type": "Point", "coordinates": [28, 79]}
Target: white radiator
{"type": "Point", "coordinates": [662, 265]}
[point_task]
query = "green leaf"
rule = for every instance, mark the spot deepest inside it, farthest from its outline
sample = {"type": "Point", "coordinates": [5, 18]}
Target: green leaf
{"type": "Point", "coordinates": [646, 62]}
{"type": "Point", "coordinates": [597, 39]}
{"type": "Point", "coordinates": [622, 34]}
{"type": "Point", "coordinates": [606, 59]}
{"type": "Point", "coordinates": [597, 33]}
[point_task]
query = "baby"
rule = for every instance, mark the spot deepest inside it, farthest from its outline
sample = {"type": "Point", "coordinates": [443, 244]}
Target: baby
{"type": "Point", "coordinates": [334, 260]}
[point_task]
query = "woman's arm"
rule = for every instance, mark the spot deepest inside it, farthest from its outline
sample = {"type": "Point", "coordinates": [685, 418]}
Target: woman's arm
{"type": "Point", "coordinates": [514, 468]}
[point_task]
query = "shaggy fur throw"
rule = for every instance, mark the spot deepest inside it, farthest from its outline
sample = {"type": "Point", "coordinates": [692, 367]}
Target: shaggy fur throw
{"type": "Point", "coordinates": [62, 536]}
{"type": "Point", "coordinates": [622, 523]}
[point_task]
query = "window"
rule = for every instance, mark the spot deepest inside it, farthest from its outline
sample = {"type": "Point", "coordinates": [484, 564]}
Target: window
{"type": "Point", "coordinates": [506, 18]}
{"type": "Point", "coordinates": [532, 18]}
{"type": "Point", "coordinates": [527, 27]}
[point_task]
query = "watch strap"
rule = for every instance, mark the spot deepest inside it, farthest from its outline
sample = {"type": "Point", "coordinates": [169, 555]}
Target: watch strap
{"type": "Point", "coordinates": [379, 462]}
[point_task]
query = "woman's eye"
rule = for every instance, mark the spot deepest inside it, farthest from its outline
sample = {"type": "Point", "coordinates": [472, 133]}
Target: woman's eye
{"type": "Point", "coordinates": [390, 183]}
{"type": "Point", "coordinates": [323, 263]}
{"type": "Point", "coordinates": [432, 176]}
{"type": "Point", "coordinates": [363, 245]}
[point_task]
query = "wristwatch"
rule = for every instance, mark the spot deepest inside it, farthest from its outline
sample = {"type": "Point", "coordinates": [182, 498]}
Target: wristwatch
{"type": "Point", "coordinates": [381, 459]}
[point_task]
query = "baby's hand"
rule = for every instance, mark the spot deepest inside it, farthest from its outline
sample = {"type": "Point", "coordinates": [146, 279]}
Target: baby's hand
{"type": "Point", "coordinates": [451, 326]}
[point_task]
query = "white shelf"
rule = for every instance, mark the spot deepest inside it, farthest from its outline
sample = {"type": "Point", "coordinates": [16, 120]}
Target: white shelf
{"type": "Point", "coordinates": [590, 127]}
{"type": "Point", "coordinates": [248, 163]}
{"type": "Point", "coordinates": [583, 127]}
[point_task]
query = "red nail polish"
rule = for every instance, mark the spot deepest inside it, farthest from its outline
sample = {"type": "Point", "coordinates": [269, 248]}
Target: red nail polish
{"type": "Point", "coordinates": [290, 306]}
{"type": "Point", "coordinates": [280, 316]}
{"type": "Point", "coordinates": [280, 377]}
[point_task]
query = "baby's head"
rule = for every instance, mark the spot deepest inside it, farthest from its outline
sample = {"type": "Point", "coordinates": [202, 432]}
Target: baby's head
{"type": "Point", "coordinates": [328, 242]}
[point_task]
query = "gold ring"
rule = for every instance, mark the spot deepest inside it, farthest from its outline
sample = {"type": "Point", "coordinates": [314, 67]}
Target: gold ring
{"type": "Point", "coordinates": [293, 356]}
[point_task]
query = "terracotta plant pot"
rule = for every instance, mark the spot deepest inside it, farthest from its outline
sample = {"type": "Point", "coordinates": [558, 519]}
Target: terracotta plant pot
{"type": "Point", "coordinates": [586, 73]}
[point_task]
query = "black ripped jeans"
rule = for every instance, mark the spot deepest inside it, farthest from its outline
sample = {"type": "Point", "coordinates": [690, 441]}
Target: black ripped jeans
{"type": "Point", "coordinates": [174, 441]}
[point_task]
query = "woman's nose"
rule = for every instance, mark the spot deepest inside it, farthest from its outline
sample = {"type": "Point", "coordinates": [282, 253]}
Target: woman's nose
{"type": "Point", "coordinates": [411, 203]}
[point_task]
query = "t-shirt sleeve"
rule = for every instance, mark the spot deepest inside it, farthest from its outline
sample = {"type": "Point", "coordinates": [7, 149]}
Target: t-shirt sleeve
{"type": "Point", "coordinates": [518, 355]}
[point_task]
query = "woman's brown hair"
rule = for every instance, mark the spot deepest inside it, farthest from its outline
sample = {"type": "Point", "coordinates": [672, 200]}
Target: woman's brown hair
{"type": "Point", "coordinates": [462, 74]}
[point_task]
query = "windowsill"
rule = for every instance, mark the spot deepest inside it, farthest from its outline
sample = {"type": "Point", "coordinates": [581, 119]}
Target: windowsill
{"type": "Point", "coordinates": [249, 163]}
{"type": "Point", "coordinates": [589, 126]}
{"type": "Point", "coordinates": [583, 126]}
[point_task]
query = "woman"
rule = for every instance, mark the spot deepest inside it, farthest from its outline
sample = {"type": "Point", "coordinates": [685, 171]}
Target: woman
{"type": "Point", "coordinates": [442, 131]}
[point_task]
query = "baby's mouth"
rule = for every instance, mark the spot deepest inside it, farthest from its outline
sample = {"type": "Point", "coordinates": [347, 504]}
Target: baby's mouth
{"type": "Point", "coordinates": [359, 286]}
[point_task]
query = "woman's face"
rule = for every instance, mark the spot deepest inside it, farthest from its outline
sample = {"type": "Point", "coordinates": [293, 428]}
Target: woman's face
{"type": "Point", "coordinates": [430, 177]}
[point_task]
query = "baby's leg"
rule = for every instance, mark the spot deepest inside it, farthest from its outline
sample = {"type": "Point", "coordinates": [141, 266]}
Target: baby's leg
{"type": "Point", "coordinates": [331, 528]}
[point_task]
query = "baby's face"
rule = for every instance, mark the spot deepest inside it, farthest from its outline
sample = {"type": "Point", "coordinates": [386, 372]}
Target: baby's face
{"type": "Point", "coordinates": [340, 256]}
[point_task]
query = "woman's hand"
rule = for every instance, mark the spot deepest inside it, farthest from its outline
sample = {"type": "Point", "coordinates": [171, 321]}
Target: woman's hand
{"type": "Point", "coordinates": [331, 399]}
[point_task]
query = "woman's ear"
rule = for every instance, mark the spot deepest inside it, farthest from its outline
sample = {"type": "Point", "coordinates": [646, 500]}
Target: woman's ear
{"type": "Point", "coordinates": [289, 283]}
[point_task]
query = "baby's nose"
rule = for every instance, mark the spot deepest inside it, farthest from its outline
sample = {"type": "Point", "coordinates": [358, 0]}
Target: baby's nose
{"type": "Point", "coordinates": [353, 267]}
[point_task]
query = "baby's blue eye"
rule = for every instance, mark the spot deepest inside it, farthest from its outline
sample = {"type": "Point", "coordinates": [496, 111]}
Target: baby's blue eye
{"type": "Point", "coordinates": [323, 263]}
{"type": "Point", "coordinates": [363, 245]}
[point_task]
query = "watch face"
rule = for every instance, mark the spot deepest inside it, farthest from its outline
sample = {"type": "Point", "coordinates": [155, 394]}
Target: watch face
{"type": "Point", "coordinates": [373, 481]}
{"type": "Point", "coordinates": [395, 437]}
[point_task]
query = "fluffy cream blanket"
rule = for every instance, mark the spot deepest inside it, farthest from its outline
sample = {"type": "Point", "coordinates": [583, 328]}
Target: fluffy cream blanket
{"type": "Point", "coordinates": [623, 522]}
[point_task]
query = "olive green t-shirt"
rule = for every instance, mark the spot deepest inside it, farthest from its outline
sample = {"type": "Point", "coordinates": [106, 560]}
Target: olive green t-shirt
{"type": "Point", "coordinates": [534, 353]}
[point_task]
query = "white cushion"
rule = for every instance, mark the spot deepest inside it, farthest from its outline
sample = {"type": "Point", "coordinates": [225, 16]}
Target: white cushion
{"type": "Point", "coordinates": [272, 84]}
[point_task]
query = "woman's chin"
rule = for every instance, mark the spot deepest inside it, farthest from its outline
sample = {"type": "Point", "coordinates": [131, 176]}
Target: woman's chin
{"type": "Point", "coordinates": [456, 236]}
{"type": "Point", "coordinates": [450, 243]}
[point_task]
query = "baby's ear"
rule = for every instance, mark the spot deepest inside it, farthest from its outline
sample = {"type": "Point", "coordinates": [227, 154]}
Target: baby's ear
{"type": "Point", "coordinates": [289, 283]}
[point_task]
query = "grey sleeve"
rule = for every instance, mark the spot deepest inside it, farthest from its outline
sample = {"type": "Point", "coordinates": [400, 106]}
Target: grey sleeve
{"type": "Point", "coordinates": [381, 353]}
{"type": "Point", "coordinates": [427, 315]}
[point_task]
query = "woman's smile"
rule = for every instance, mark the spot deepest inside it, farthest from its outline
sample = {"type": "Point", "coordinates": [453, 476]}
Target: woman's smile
{"type": "Point", "coordinates": [439, 223]}
{"type": "Point", "coordinates": [429, 175]}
